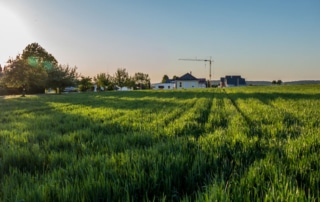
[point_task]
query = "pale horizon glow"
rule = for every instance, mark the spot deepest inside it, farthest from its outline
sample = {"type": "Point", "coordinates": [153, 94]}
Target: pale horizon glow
{"type": "Point", "coordinates": [259, 40]}
{"type": "Point", "coordinates": [14, 33]}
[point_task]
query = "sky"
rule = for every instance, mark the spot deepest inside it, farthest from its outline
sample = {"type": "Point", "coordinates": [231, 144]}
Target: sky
{"type": "Point", "coordinates": [259, 40]}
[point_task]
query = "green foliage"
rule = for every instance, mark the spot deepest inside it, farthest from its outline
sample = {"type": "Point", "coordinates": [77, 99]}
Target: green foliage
{"type": "Point", "coordinates": [35, 55]}
{"type": "Point", "coordinates": [175, 77]}
{"type": "Point", "coordinates": [85, 83]}
{"type": "Point", "coordinates": [104, 80]}
{"type": "Point", "coordinates": [165, 78]}
{"type": "Point", "coordinates": [274, 82]}
{"type": "Point", "coordinates": [121, 78]}
{"type": "Point", "coordinates": [142, 81]}
{"type": "Point", "coordinates": [236, 144]}
{"type": "Point", "coordinates": [20, 74]}
{"type": "Point", "coordinates": [61, 77]}
{"type": "Point", "coordinates": [36, 69]}
{"type": "Point", "coordinates": [28, 71]}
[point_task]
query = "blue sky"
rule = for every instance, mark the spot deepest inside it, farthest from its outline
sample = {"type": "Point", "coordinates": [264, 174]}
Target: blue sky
{"type": "Point", "coordinates": [259, 40]}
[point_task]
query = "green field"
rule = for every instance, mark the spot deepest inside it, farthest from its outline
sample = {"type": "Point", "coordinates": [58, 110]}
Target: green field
{"type": "Point", "coordinates": [235, 144]}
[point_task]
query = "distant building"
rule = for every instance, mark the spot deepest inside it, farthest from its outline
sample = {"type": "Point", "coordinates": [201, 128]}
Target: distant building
{"type": "Point", "coordinates": [189, 81]}
{"type": "Point", "coordinates": [168, 85]}
{"type": "Point", "coordinates": [164, 86]}
{"type": "Point", "coordinates": [230, 81]}
{"type": "Point", "coordinates": [183, 82]}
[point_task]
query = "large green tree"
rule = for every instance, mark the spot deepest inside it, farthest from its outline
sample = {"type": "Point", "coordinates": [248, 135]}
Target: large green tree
{"type": "Point", "coordinates": [61, 77]}
{"type": "Point", "coordinates": [34, 55]}
{"type": "Point", "coordinates": [29, 70]}
{"type": "Point", "coordinates": [19, 74]}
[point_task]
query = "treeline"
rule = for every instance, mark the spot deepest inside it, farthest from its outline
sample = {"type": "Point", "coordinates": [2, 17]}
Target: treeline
{"type": "Point", "coordinates": [35, 70]}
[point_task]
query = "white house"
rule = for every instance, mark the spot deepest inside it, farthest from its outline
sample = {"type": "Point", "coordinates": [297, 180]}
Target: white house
{"type": "Point", "coordinates": [164, 86]}
{"type": "Point", "coordinates": [189, 81]}
{"type": "Point", "coordinates": [183, 82]}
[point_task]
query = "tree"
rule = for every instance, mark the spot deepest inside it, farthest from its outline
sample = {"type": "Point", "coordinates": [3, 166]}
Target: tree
{"type": "Point", "coordinates": [175, 77]}
{"type": "Point", "coordinates": [19, 74]}
{"type": "Point", "coordinates": [35, 55]}
{"type": "Point", "coordinates": [274, 82]}
{"type": "Point", "coordinates": [2, 86]}
{"type": "Point", "coordinates": [28, 71]}
{"type": "Point", "coordinates": [121, 78]}
{"type": "Point", "coordinates": [279, 82]}
{"type": "Point", "coordinates": [1, 71]}
{"type": "Point", "coordinates": [104, 80]}
{"type": "Point", "coordinates": [85, 83]}
{"type": "Point", "coordinates": [61, 77]}
{"type": "Point", "coordinates": [142, 80]}
{"type": "Point", "coordinates": [165, 78]}
{"type": "Point", "coordinates": [130, 83]}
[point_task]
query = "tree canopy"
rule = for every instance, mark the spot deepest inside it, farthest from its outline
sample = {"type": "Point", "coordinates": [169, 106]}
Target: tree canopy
{"type": "Point", "coordinates": [104, 81]}
{"type": "Point", "coordinates": [19, 74]}
{"type": "Point", "coordinates": [165, 78]}
{"type": "Point", "coordinates": [142, 80]}
{"type": "Point", "coordinates": [61, 77]}
{"type": "Point", "coordinates": [278, 82]}
{"type": "Point", "coordinates": [37, 69]}
{"type": "Point", "coordinates": [35, 55]}
{"type": "Point", "coordinates": [85, 83]}
{"type": "Point", "coordinates": [121, 77]}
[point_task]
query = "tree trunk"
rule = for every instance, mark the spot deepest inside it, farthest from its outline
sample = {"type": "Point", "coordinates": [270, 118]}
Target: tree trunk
{"type": "Point", "coordinates": [23, 92]}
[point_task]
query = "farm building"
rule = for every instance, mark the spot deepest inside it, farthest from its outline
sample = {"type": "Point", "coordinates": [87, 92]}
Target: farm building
{"type": "Point", "coordinates": [164, 86]}
{"type": "Point", "coordinates": [183, 82]}
{"type": "Point", "coordinates": [189, 81]}
{"type": "Point", "coordinates": [229, 81]}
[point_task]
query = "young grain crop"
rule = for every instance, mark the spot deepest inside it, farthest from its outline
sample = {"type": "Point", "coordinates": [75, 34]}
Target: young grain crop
{"type": "Point", "coordinates": [239, 144]}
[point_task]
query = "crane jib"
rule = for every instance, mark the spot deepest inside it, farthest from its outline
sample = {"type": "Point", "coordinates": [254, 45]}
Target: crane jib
{"type": "Point", "coordinates": [204, 60]}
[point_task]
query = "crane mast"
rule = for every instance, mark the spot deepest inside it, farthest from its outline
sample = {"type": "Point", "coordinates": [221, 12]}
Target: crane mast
{"type": "Point", "coordinates": [204, 60]}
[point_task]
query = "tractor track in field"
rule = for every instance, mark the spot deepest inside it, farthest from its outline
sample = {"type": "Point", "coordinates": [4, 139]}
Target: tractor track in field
{"type": "Point", "coordinates": [248, 121]}
{"type": "Point", "coordinates": [255, 130]}
{"type": "Point", "coordinates": [289, 119]}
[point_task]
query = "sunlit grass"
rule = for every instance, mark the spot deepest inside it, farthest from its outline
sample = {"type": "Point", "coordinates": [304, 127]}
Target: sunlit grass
{"type": "Point", "coordinates": [237, 144]}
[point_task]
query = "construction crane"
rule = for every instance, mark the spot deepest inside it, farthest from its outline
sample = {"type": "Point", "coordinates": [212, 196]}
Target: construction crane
{"type": "Point", "coordinates": [204, 60]}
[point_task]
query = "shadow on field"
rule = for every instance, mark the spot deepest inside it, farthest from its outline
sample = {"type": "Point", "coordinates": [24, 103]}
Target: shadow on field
{"type": "Point", "coordinates": [120, 103]}
{"type": "Point", "coordinates": [290, 121]}
{"type": "Point", "coordinates": [61, 138]}
{"type": "Point", "coordinates": [61, 142]}
{"type": "Point", "coordinates": [268, 97]}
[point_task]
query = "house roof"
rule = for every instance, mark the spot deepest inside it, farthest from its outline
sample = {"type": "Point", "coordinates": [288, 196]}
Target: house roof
{"type": "Point", "coordinates": [170, 81]}
{"type": "Point", "coordinates": [202, 80]}
{"type": "Point", "coordinates": [187, 77]}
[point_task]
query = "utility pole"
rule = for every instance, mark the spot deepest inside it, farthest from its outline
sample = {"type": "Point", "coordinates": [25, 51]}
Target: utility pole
{"type": "Point", "coordinates": [204, 60]}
